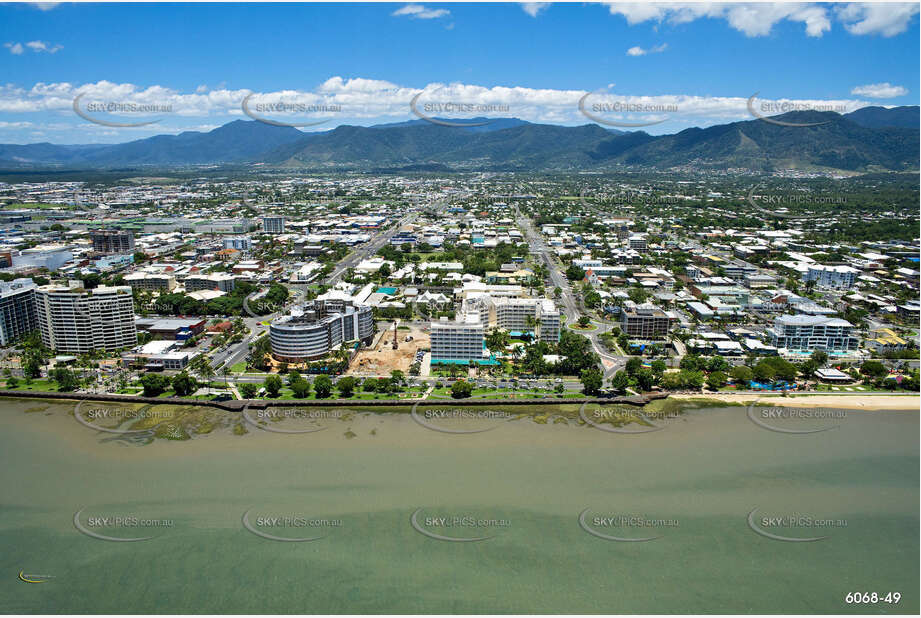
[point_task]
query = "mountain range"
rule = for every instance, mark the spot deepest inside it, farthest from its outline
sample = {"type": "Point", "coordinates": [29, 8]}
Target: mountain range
{"type": "Point", "coordinates": [869, 139]}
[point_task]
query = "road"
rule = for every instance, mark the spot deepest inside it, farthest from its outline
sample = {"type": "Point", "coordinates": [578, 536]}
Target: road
{"type": "Point", "coordinates": [569, 306]}
{"type": "Point", "coordinates": [368, 249]}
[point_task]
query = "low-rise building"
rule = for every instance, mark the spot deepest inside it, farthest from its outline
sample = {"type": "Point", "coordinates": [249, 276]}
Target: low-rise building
{"type": "Point", "coordinates": [215, 281]}
{"type": "Point", "coordinates": [837, 277]}
{"type": "Point", "coordinates": [150, 281]}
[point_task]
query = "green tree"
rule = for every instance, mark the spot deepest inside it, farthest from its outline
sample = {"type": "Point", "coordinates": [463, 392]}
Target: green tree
{"type": "Point", "coordinates": [764, 372]}
{"type": "Point", "coordinates": [691, 379]}
{"type": "Point", "coordinates": [741, 374]}
{"type": "Point", "coordinates": [154, 384]}
{"type": "Point", "coordinates": [874, 369]}
{"type": "Point", "coordinates": [691, 362]}
{"type": "Point", "coordinates": [300, 388]}
{"type": "Point", "coordinates": [808, 368]}
{"type": "Point", "coordinates": [202, 366]}
{"type": "Point", "coordinates": [346, 386]}
{"type": "Point", "coordinates": [272, 386]}
{"type": "Point", "coordinates": [574, 273]}
{"type": "Point", "coordinates": [461, 389]}
{"type": "Point", "coordinates": [633, 366]}
{"type": "Point", "coordinates": [620, 382]}
{"type": "Point", "coordinates": [66, 379]}
{"type": "Point", "coordinates": [184, 384]}
{"type": "Point", "coordinates": [591, 380]}
{"type": "Point", "coordinates": [716, 380]}
{"type": "Point", "coordinates": [323, 386]}
{"type": "Point", "coordinates": [247, 389]}
{"type": "Point", "coordinates": [820, 357]}
{"type": "Point", "coordinates": [32, 364]}
{"type": "Point", "coordinates": [645, 379]}
{"type": "Point", "coordinates": [497, 340]}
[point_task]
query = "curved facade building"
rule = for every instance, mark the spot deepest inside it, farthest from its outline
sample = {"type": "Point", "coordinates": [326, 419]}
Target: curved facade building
{"type": "Point", "coordinates": [312, 330]}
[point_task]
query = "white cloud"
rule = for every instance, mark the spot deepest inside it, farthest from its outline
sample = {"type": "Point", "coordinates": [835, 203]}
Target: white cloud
{"type": "Point", "coordinates": [15, 125]}
{"type": "Point", "coordinates": [884, 90]}
{"type": "Point", "coordinates": [418, 11]}
{"type": "Point", "coordinates": [885, 18]}
{"type": "Point", "coordinates": [363, 98]}
{"type": "Point", "coordinates": [752, 19]}
{"type": "Point", "coordinates": [534, 8]}
{"type": "Point", "coordinates": [41, 46]}
{"type": "Point", "coordinates": [36, 46]}
{"type": "Point", "coordinates": [639, 51]}
{"type": "Point", "coordinates": [362, 101]}
{"type": "Point", "coordinates": [44, 6]}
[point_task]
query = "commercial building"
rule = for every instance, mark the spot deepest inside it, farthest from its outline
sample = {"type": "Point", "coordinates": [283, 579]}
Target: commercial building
{"type": "Point", "coordinates": [273, 225]}
{"type": "Point", "coordinates": [806, 333]}
{"type": "Point", "coordinates": [458, 340]}
{"type": "Point", "coordinates": [158, 356]}
{"type": "Point", "coordinates": [112, 241]}
{"type": "Point", "coordinates": [178, 329]}
{"type": "Point", "coordinates": [645, 321]}
{"type": "Point", "coordinates": [17, 309]}
{"type": "Point", "coordinates": [838, 277]}
{"type": "Point", "coordinates": [79, 321]}
{"type": "Point", "coordinates": [314, 329]}
{"type": "Point", "coordinates": [51, 257]}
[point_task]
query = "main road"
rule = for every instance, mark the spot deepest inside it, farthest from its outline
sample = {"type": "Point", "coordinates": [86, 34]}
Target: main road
{"type": "Point", "coordinates": [609, 364]}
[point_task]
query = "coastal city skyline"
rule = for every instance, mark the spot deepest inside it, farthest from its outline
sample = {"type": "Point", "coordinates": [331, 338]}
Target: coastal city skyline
{"type": "Point", "coordinates": [460, 308]}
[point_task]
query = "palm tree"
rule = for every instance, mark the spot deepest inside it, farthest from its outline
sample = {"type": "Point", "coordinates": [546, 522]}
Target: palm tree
{"type": "Point", "coordinates": [204, 370]}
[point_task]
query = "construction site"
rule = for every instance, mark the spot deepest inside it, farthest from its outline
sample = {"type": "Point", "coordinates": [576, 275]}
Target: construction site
{"type": "Point", "coordinates": [394, 347]}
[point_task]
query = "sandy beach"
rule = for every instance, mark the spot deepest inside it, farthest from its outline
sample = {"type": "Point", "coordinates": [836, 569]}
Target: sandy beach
{"type": "Point", "coordinates": [857, 401]}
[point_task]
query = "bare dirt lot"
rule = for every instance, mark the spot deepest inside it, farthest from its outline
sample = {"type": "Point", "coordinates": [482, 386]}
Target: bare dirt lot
{"type": "Point", "coordinates": [381, 359]}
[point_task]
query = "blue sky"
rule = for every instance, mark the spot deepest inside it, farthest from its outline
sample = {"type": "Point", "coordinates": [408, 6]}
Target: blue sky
{"type": "Point", "coordinates": [693, 65]}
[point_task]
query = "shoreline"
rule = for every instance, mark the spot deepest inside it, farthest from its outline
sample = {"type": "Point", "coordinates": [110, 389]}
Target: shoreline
{"type": "Point", "coordinates": [857, 401]}
{"type": "Point", "coordinates": [238, 405]}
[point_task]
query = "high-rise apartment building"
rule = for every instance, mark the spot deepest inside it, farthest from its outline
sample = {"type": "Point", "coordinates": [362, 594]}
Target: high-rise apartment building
{"type": "Point", "coordinates": [75, 320]}
{"type": "Point", "coordinates": [112, 241]}
{"type": "Point", "coordinates": [17, 309]}
{"type": "Point", "coordinates": [458, 340]}
{"type": "Point", "coordinates": [273, 225]}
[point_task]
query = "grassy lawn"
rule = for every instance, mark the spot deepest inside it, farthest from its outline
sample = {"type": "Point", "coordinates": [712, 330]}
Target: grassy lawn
{"type": "Point", "coordinates": [41, 385]}
{"type": "Point", "coordinates": [486, 393]}
{"type": "Point", "coordinates": [287, 394]}
{"type": "Point", "coordinates": [238, 367]}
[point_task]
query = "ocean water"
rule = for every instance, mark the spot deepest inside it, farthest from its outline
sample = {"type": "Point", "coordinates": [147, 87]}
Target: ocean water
{"type": "Point", "coordinates": [522, 485]}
